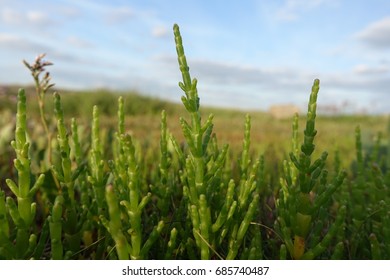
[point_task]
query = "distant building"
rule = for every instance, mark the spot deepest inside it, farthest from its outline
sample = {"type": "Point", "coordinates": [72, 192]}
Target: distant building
{"type": "Point", "coordinates": [283, 111]}
{"type": "Point", "coordinates": [3, 91]}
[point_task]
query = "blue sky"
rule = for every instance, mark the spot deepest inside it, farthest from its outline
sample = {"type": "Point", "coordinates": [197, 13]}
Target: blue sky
{"type": "Point", "coordinates": [245, 54]}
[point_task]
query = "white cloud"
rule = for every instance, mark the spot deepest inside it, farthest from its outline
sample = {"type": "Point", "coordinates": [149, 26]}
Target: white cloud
{"type": "Point", "coordinates": [9, 16]}
{"type": "Point", "coordinates": [243, 82]}
{"type": "Point", "coordinates": [14, 43]}
{"type": "Point", "coordinates": [377, 34]}
{"type": "Point", "coordinates": [232, 74]}
{"type": "Point", "coordinates": [69, 12]}
{"type": "Point", "coordinates": [160, 31]}
{"type": "Point", "coordinates": [31, 18]}
{"type": "Point", "coordinates": [36, 17]}
{"type": "Point", "coordinates": [232, 85]}
{"type": "Point", "coordinates": [363, 69]}
{"type": "Point", "coordinates": [292, 9]}
{"type": "Point", "coordinates": [6, 38]}
{"type": "Point", "coordinates": [119, 15]}
{"type": "Point", "coordinates": [79, 42]}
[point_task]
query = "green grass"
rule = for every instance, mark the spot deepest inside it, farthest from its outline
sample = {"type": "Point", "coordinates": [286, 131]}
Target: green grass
{"type": "Point", "coordinates": [148, 179]}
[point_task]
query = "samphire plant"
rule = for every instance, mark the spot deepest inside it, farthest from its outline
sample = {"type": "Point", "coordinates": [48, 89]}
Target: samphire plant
{"type": "Point", "coordinates": [97, 192]}
{"type": "Point", "coordinates": [305, 194]}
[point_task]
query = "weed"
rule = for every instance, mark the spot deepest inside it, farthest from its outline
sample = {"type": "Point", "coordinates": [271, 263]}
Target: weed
{"type": "Point", "coordinates": [109, 195]}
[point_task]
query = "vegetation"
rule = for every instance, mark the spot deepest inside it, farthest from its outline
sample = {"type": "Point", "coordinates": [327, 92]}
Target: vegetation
{"type": "Point", "coordinates": [97, 186]}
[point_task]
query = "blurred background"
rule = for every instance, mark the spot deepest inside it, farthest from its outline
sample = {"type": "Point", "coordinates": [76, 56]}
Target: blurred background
{"type": "Point", "coordinates": [246, 54]}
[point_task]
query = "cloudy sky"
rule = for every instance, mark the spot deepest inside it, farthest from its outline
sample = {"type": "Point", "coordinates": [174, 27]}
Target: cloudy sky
{"type": "Point", "coordinates": [246, 54]}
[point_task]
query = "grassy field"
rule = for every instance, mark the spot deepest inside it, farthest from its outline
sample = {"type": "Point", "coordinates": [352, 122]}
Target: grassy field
{"type": "Point", "coordinates": [270, 138]}
{"type": "Point", "coordinates": [269, 135]}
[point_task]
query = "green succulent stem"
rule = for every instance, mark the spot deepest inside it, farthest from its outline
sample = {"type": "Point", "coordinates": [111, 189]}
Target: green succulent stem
{"type": "Point", "coordinates": [23, 214]}
{"type": "Point", "coordinates": [55, 224]}
{"type": "Point", "coordinates": [195, 137]}
{"type": "Point", "coordinates": [305, 189]}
